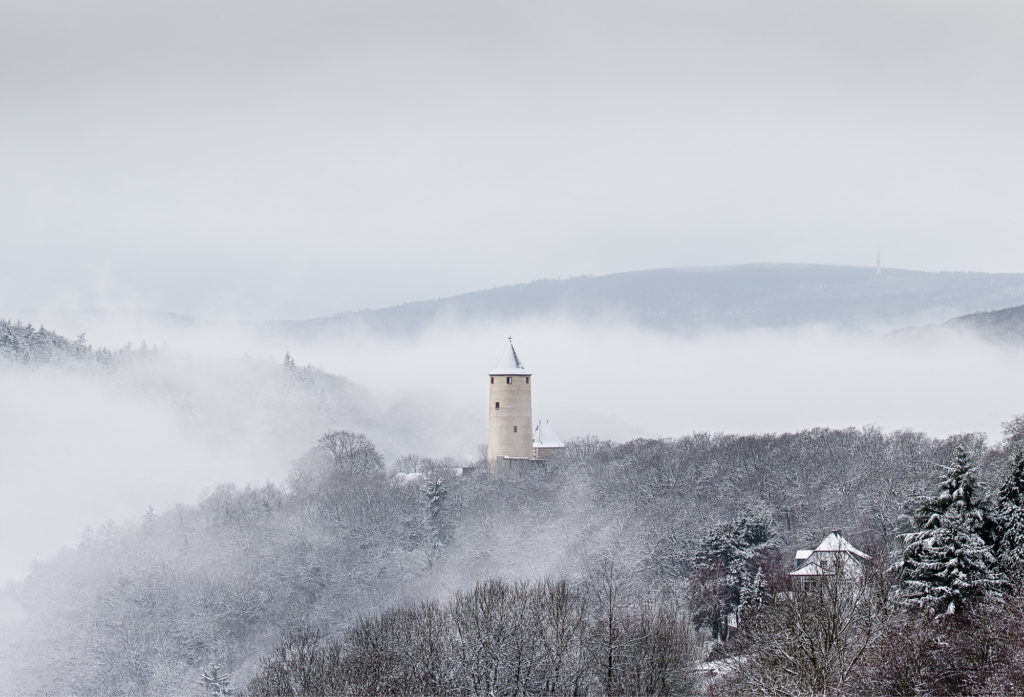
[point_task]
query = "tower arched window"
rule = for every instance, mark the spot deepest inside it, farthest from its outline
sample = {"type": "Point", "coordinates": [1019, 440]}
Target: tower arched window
{"type": "Point", "coordinates": [508, 381]}
{"type": "Point", "coordinates": [497, 406]}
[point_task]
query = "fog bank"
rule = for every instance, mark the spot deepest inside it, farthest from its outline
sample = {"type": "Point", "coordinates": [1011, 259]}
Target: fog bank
{"type": "Point", "coordinates": [215, 405]}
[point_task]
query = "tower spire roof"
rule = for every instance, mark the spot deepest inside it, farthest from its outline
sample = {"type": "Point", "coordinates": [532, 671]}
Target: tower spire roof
{"type": "Point", "coordinates": [510, 363]}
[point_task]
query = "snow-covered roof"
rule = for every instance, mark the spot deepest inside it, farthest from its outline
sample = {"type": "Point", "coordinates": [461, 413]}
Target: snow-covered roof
{"type": "Point", "coordinates": [409, 477]}
{"type": "Point", "coordinates": [835, 542]}
{"type": "Point", "coordinates": [824, 559]}
{"type": "Point", "coordinates": [813, 568]}
{"type": "Point", "coordinates": [544, 437]}
{"type": "Point", "coordinates": [510, 363]}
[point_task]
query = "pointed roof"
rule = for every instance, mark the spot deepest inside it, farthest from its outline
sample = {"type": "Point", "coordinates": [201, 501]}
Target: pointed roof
{"type": "Point", "coordinates": [510, 363]}
{"type": "Point", "coordinates": [835, 542]}
{"type": "Point", "coordinates": [544, 437]}
{"type": "Point", "coordinates": [824, 559]}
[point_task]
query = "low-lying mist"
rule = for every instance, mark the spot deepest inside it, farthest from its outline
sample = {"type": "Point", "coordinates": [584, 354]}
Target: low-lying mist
{"type": "Point", "coordinates": [215, 403]}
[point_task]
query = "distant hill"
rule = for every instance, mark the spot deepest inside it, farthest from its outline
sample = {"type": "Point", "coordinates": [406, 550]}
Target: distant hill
{"type": "Point", "coordinates": [1001, 325]}
{"type": "Point", "coordinates": [733, 297]}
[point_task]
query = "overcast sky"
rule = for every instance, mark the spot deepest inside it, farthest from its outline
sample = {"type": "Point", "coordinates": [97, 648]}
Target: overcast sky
{"type": "Point", "coordinates": [299, 158]}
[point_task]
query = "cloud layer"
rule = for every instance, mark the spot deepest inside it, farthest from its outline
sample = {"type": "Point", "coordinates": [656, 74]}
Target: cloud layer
{"type": "Point", "coordinates": [296, 159]}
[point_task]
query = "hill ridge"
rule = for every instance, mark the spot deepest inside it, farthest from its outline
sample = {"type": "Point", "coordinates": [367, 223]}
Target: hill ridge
{"type": "Point", "coordinates": [685, 299]}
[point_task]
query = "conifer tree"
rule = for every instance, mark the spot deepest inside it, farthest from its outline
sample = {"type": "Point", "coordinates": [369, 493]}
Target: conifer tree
{"type": "Point", "coordinates": [437, 518]}
{"type": "Point", "coordinates": [753, 592]}
{"type": "Point", "coordinates": [436, 494]}
{"type": "Point", "coordinates": [1010, 519]}
{"type": "Point", "coordinates": [724, 565]}
{"type": "Point", "coordinates": [947, 564]}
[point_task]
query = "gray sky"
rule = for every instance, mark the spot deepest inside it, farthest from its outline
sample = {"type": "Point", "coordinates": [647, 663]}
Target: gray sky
{"type": "Point", "coordinates": [298, 158]}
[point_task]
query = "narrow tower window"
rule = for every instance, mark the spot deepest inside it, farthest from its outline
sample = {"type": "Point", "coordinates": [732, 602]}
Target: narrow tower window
{"type": "Point", "coordinates": [497, 406]}
{"type": "Point", "coordinates": [515, 429]}
{"type": "Point", "coordinates": [492, 379]}
{"type": "Point", "coordinates": [527, 379]}
{"type": "Point", "coordinates": [508, 381]}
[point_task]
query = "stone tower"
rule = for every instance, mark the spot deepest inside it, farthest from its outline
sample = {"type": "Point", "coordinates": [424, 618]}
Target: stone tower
{"type": "Point", "coordinates": [510, 430]}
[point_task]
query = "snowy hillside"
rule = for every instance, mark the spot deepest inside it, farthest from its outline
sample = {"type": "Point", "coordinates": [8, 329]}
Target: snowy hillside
{"type": "Point", "coordinates": [1004, 325]}
{"type": "Point", "coordinates": [733, 297]}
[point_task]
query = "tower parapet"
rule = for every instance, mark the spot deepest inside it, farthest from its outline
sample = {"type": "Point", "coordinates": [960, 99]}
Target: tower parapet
{"type": "Point", "coordinates": [510, 427]}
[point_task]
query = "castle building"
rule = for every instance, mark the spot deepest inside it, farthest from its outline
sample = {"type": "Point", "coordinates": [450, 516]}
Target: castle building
{"type": "Point", "coordinates": [512, 438]}
{"type": "Point", "coordinates": [510, 427]}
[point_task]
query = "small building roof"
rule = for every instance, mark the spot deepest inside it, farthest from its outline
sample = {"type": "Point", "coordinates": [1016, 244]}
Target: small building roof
{"type": "Point", "coordinates": [813, 568]}
{"type": "Point", "coordinates": [510, 363]}
{"type": "Point", "coordinates": [825, 559]}
{"type": "Point", "coordinates": [835, 542]}
{"type": "Point", "coordinates": [544, 437]}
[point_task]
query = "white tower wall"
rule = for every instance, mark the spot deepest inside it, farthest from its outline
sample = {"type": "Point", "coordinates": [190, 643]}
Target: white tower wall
{"type": "Point", "coordinates": [510, 426]}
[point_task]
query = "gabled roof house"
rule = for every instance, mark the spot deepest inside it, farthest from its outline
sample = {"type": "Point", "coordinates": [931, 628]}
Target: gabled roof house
{"type": "Point", "coordinates": [835, 555]}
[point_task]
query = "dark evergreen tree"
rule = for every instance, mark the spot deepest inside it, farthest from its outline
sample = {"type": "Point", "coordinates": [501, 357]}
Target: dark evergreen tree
{"type": "Point", "coordinates": [726, 570]}
{"type": "Point", "coordinates": [1009, 515]}
{"type": "Point", "coordinates": [947, 564]}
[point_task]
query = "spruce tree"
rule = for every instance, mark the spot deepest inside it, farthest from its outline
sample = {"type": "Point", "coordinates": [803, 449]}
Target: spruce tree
{"type": "Point", "coordinates": [947, 564]}
{"type": "Point", "coordinates": [1010, 519]}
{"type": "Point", "coordinates": [437, 517]}
{"type": "Point", "coordinates": [725, 563]}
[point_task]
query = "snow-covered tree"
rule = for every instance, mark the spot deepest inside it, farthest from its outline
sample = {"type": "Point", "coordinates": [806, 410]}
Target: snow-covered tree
{"type": "Point", "coordinates": [811, 642]}
{"type": "Point", "coordinates": [725, 569]}
{"type": "Point", "coordinates": [1009, 515]}
{"type": "Point", "coordinates": [215, 682]}
{"type": "Point", "coordinates": [352, 452]}
{"type": "Point", "coordinates": [753, 592]}
{"type": "Point", "coordinates": [440, 529]}
{"type": "Point", "coordinates": [947, 564]}
{"type": "Point", "coordinates": [1013, 431]}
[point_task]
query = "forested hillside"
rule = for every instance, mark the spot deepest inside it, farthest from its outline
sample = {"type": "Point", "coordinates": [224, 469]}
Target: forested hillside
{"type": "Point", "coordinates": [287, 399]}
{"type": "Point", "coordinates": [691, 299]}
{"type": "Point", "coordinates": [147, 607]}
{"type": "Point", "coordinates": [25, 344]}
{"type": "Point", "coordinates": [1006, 324]}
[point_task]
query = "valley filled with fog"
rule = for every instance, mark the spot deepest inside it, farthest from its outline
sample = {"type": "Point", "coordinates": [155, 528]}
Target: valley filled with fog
{"type": "Point", "coordinates": [213, 404]}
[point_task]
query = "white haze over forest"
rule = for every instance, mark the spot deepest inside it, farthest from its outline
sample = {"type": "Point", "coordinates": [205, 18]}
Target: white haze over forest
{"type": "Point", "coordinates": [210, 408]}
